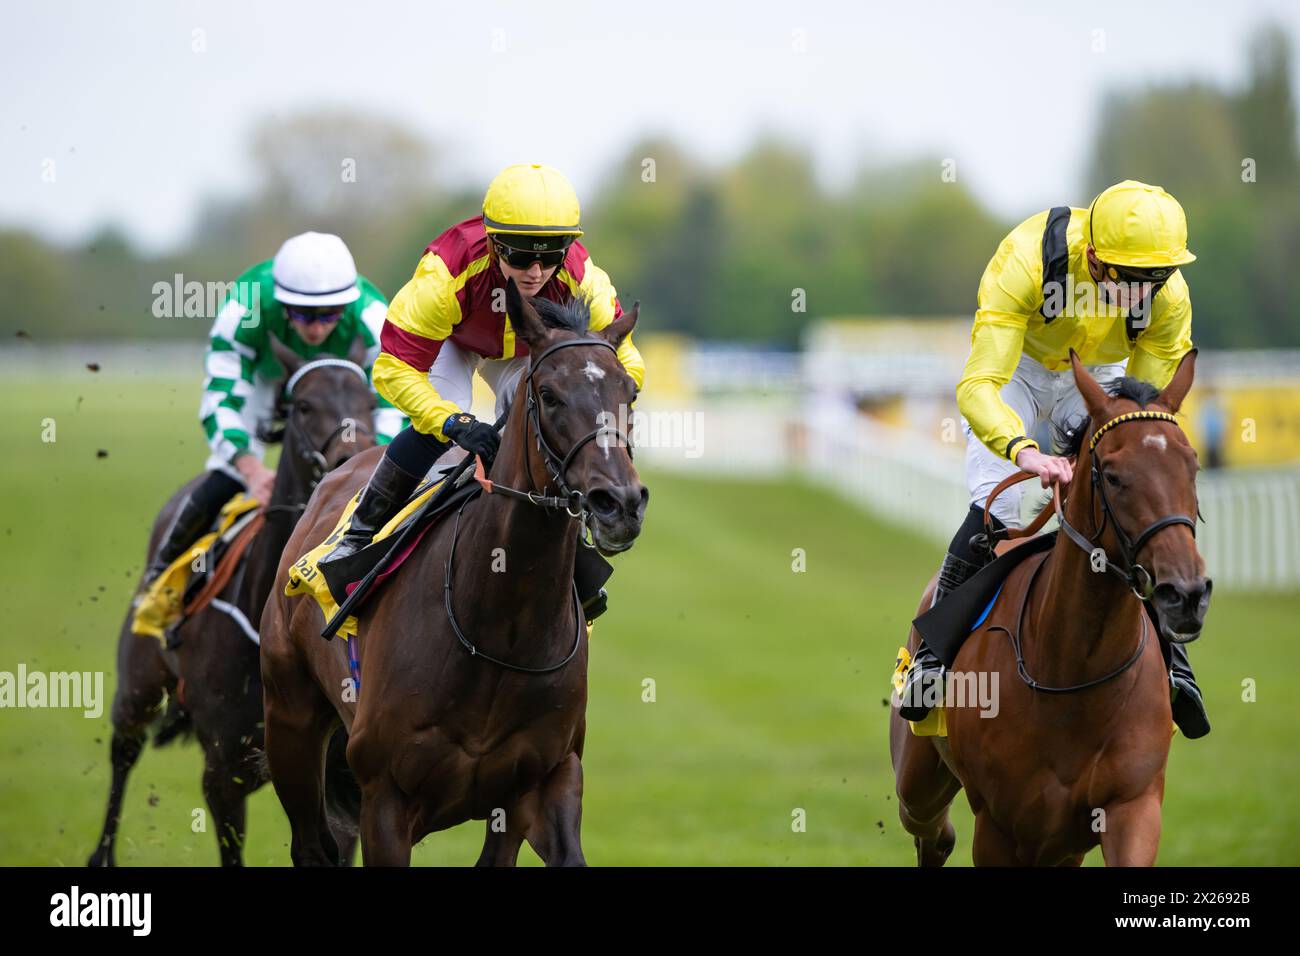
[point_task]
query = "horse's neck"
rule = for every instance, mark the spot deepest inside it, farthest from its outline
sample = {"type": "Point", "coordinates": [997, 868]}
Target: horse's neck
{"type": "Point", "coordinates": [517, 558]}
{"type": "Point", "coordinates": [282, 514]}
{"type": "Point", "coordinates": [1084, 623]}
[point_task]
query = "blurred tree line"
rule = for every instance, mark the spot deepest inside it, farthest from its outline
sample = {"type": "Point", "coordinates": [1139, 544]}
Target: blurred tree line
{"type": "Point", "coordinates": [751, 250]}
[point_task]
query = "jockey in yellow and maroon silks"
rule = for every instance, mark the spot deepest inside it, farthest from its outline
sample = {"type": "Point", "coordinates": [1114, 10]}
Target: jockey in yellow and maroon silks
{"type": "Point", "coordinates": [449, 321]}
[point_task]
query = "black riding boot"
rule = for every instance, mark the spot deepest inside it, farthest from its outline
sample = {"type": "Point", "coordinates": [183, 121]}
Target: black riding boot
{"type": "Point", "coordinates": [384, 495]}
{"type": "Point", "coordinates": [590, 572]}
{"type": "Point", "coordinates": [193, 516]}
{"type": "Point", "coordinates": [1188, 706]}
{"type": "Point", "coordinates": [925, 680]}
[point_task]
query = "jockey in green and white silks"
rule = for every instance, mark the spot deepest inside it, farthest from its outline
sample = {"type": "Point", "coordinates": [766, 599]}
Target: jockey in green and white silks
{"type": "Point", "coordinates": [311, 299]}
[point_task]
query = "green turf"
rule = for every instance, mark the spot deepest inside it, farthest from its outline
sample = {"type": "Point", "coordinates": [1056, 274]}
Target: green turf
{"type": "Point", "coordinates": [769, 684]}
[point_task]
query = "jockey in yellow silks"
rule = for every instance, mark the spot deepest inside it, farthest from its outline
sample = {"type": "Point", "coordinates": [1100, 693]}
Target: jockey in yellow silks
{"type": "Point", "coordinates": [449, 321]}
{"type": "Point", "coordinates": [1105, 282]}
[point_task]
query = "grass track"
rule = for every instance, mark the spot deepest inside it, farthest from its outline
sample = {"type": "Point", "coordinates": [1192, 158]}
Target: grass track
{"type": "Point", "coordinates": [768, 683]}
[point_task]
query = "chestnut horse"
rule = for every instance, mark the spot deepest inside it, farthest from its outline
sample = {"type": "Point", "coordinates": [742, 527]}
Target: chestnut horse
{"type": "Point", "coordinates": [473, 657]}
{"type": "Point", "coordinates": [217, 658]}
{"type": "Point", "coordinates": [1076, 753]}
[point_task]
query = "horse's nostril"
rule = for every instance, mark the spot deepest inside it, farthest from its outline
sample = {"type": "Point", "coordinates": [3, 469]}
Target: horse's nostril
{"type": "Point", "coordinates": [629, 499]}
{"type": "Point", "coordinates": [602, 502]}
{"type": "Point", "coordinates": [1183, 596]}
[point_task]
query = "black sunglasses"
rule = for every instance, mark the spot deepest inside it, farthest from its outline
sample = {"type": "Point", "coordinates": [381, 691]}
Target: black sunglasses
{"type": "Point", "coordinates": [1157, 276]}
{"type": "Point", "coordinates": [520, 252]}
{"type": "Point", "coordinates": [308, 315]}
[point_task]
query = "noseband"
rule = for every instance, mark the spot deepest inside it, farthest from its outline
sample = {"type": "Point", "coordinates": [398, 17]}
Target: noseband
{"type": "Point", "coordinates": [1137, 577]}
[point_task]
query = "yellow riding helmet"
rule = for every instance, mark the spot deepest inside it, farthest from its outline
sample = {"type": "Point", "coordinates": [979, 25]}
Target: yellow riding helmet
{"type": "Point", "coordinates": [530, 199]}
{"type": "Point", "coordinates": [1133, 224]}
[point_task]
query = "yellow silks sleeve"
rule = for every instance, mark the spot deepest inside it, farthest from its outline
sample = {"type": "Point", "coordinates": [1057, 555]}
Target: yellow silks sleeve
{"type": "Point", "coordinates": [1162, 346]}
{"type": "Point", "coordinates": [598, 290]}
{"type": "Point", "coordinates": [1009, 293]}
{"type": "Point", "coordinates": [426, 305]}
{"type": "Point", "coordinates": [422, 314]}
{"type": "Point", "coordinates": [410, 390]}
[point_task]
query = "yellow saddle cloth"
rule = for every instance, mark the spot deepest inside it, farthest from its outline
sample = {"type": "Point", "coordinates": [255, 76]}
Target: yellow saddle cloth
{"type": "Point", "coordinates": [936, 722]}
{"type": "Point", "coordinates": [305, 577]}
{"type": "Point", "coordinates": [160, 605]}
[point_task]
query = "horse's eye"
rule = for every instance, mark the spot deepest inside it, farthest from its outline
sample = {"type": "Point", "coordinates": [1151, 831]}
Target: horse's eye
{"type": "Point", "coordinates": [1113, 481]}
{"type": "Point", "coordinates": [302, 407]}
{"type": "Point", "coordinates": [549, 398]}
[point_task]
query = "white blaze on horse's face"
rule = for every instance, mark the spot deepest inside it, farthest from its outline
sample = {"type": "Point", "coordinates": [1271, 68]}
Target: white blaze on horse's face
{"type": "Point", "coordinates": [1156, 441]}
{"type": "Point", "coordinates": [593, 371]}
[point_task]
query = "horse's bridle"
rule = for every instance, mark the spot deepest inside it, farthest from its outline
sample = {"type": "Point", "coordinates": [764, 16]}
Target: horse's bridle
{"type": "Point", "coordinates": [1137, 577]}
{"type": "Point", "coordinates": [314, 455]}
{"type": "Point", "coordinates": [571, 500]}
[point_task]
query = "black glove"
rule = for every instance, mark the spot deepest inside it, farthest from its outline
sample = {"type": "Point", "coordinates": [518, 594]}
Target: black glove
{"type": "Point", "coordinates": [472, 435]}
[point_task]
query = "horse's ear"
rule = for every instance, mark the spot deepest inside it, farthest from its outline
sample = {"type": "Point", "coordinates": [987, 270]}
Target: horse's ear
{"type": "Point", "coordinates": [622, 327]}
{"type": "Point", "coordinates": [1095, 398]}
{"type": "Point", "coordinates": [286, 356]}
{"type": "Point", "coordinates": [1178, 387]}
{"type": "Point", "coordinates": [358, 352]}
{"type": "Point", "coordinates": [523, 317]}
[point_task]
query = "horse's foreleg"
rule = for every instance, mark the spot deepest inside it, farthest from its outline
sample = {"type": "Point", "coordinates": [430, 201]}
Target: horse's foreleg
{"type": "Point", "coordinates": [124, 751]}
{"type": "Point", "coordinates": [385, 825]}
{"type": "Point", "coordinates": [230, 774]}
{"type": "Point", "coordinates": [142, 681]}
{"type": "Point", "coordinates": [991, 846]}
{"type": "Point", "coordinates": [505, 835]}
{"type": "Point", "coordinates": [1132, 833]}
{"type": "Point", "coordinates": [555, 829]}
{"type": "Point", "coordinates": [925, 788]}
{"type": "Point", "coordinates": [297, 728]}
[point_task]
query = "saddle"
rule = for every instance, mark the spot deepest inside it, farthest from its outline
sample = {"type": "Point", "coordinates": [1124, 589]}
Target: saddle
{"type": "Point", "coordinates": [946, 626]}
{"type": "Point", "coordinates": [181, 591]}
{"type": "Point", "coordinates": [339, 585]}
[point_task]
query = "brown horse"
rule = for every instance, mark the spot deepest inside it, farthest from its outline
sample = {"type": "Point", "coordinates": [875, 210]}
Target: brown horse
{"type": "Point", "coordinates": [1075, 755]}
{"type": "Point", "coordinates": [215, 667]}
{"type": "Point", "coordinates": [473, 658]}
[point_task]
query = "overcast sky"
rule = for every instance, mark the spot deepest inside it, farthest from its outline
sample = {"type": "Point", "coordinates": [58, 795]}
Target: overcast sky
{"type": "Point", "coordinates": [140, 126]}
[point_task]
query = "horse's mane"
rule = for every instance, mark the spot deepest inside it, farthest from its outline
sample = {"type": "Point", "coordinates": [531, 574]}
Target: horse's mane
{"type": "Point", "coordinates": [1070, 437]}
{"type": "Point", "coordinates": [572, 316]}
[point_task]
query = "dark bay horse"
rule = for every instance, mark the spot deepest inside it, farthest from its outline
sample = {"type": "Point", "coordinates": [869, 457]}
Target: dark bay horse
{"type": "Point", "coordinates": [215, 667]}
{"type": "Point", "coordinates": [439, 735]}
{"type": "Point", "coordinates": [1077, 760]}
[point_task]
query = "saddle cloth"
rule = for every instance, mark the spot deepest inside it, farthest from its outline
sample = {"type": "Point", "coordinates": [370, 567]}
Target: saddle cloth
{"type": "Point", "coordinates": [946, 626]}
{"type": "Point", "coordinates": [306, 577]}
{"type": "Point", "coordinates": [165, 600]}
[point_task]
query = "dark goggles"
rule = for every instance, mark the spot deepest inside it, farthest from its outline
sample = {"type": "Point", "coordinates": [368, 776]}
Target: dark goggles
{"type": "Point", "coordinates": [520, 252]}
{"type": "Point", "coordinates": [307, 314]}
{"type": "Point", "coordinates": [1157, 277]}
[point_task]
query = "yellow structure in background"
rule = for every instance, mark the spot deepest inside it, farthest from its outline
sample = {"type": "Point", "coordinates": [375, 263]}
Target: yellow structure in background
{"type": "Point", "coordinates": [1261, 422]}
{"type": "Point", "coordinates": [1260, 419]}
{"type": "Point", "coordinates": [665, 357]}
